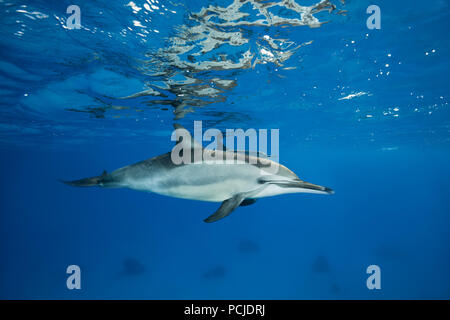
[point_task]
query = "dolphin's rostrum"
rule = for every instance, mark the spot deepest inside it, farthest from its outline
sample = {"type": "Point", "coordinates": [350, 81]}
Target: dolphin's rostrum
{"type": "Point", "coordinates": [234, 184]}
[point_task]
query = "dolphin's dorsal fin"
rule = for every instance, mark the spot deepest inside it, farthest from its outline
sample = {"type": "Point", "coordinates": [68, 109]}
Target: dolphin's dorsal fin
{"type": "Point", "coordinates": [184, 137]}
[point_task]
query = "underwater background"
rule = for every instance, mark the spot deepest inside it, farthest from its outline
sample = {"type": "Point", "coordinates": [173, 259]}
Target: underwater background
{"type": "Point", "coordinates": [363, 111]}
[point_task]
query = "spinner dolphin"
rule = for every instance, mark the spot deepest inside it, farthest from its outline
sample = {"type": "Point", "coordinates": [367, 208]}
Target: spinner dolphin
{"type": "Point", "coordinates": [233, 183]}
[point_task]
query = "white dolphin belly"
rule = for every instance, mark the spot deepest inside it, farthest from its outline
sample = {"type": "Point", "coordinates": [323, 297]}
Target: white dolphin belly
{"type": "Point", "coordinates": [205, 182]}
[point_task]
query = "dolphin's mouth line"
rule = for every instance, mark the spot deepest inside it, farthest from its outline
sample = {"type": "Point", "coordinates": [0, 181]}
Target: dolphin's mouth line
{"type": "Point", "coordinates": [310, 186]}
{"type": "Point", "coordinates": [301, 184]}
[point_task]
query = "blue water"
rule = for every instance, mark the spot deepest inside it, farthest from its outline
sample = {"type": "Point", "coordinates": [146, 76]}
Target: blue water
{"type": "Point", "coordinates": [362, 111]}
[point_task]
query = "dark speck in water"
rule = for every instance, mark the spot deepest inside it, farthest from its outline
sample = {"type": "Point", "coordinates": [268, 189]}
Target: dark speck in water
{"type": "Point", "coordinates": [321, 265]}
{"type": "Point", "coordinates": [133, 267]}
{"type": "Point", "coordinates": [215, 273]}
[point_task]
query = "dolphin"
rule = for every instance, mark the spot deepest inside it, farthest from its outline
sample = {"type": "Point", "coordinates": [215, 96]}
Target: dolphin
{"type": "Point", "coordinates": [239, 183]}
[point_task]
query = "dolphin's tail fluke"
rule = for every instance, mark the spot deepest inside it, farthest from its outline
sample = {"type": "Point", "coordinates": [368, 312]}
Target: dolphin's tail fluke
{"type": "Point", "coordinates": [87, 182]}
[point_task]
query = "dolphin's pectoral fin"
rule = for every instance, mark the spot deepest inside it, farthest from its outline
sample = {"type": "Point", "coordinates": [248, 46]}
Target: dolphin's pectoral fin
{"type": "Point", "coordinates": [247, 202]}
{"type": "Point", "coordinates": [226, 207]}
